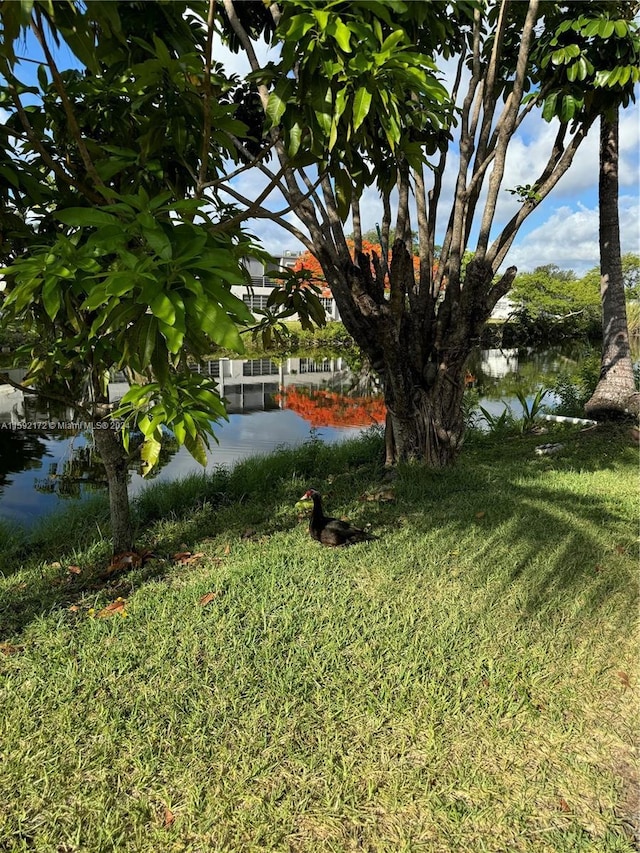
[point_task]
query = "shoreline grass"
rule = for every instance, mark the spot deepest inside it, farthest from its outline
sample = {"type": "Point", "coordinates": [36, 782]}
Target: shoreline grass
{"type": "Point", "coordinates": [468, 682]}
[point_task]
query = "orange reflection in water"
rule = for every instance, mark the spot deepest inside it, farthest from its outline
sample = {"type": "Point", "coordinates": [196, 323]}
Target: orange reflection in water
{"type": "Point", "coordinates": [321, 408]}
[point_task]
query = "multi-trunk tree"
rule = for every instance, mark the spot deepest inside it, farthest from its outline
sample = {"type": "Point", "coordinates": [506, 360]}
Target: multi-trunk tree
{"type": "Point", "coordinates": [353, 100]}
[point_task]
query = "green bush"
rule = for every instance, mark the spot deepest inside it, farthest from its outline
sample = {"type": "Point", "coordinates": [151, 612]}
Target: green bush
{"type": "Point", "coordinates": [572, 390]}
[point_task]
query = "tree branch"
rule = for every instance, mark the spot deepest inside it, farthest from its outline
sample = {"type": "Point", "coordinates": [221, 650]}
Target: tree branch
{"type": "Point", "coordinates": [58, 171]}
{"type": "Point", "coordinates": [206, 106]}
{"type": "Point", "coordinates": [66, 103]}
{"type": "Point", "coordinates": [264, 213]}
{"type": "Point", "coordinates": [499, 248]}
{"type": "Point", "coordinates": [450, 257]}
{"type": "Point", "coordinates": [507, 129]}
{"type": "Point", "coordinates": [55, 398]}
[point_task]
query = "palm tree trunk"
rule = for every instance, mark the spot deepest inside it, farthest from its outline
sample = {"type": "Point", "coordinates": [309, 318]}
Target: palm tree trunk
{"type": "Point", "coordinates": [615, 392]}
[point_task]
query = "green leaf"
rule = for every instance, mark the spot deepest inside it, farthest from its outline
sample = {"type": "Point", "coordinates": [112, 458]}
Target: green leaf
{"type": "Point", "coordinates": [361, 105]}
{"type": "Point", "coordinates": [173, 336]}
{"type": "Point", "coordinates": [294, 139]}
{"type": "Point", "coordinates": [606, 29]}
{"type": "Point", "coordinates": [143, 337]}
{"type": "Point", "coordinates": [322, 17]}
{"type": "Point", "coordinates": [196, 448]}
{"type": "Point", "coordinates": [51, 296]}
{"type": "Point", "coordinates": [277, 103]}
{"type": "Point", "coordinates": [150, 452]}
{"type": "Point", "coordinates": [549, 108]}
{"type": "Point", "coordinates": [85, 216]}
{"type": "Point", "coordinates": [162, 307]}
{"type": "Point", "coordinates": [390, 43]}
{"type": "Point", "coordinates": [215, 323]}
{"type": "Point", "coordinates": [158, 241]}
{"type": "Point", "coordinates": [591, 28]}
{"type": "Point", "coordinates": [342, 35]}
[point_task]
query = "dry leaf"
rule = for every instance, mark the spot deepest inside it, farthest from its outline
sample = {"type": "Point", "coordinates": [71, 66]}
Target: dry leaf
{"type": "Point", "coordinates": [208, 598]}
{"type": "Point", "coordinates": [55, 565]}
{"type": "Point", "coordinates": [74, 570]}
{"type": "Point", "coordinates": [564, 805]}
{"type": "Point", "coordinates": [480, 514]}
{"type": "Point", "coordinates": [74, 608]}
{"type": "Point", "coordinates": [169, 818]}
{"type": "Point", "coordinates": [123, 562]}
{"type": "Point", "coordinates": [227, 550]}
{"type": "Point", "coordinates": [117, 606]}
{"type": "Point", "coordinates": [380, 495]}
{"type": "Point", "coordinates": [9, 649]}
{"type": "Point", "coordinates": [620, 549]}
{"type": "Point", "coordinates": [179, 556]}
{"type": "Point", "coordinates": [186, 557]}
{"type": "Point", "coordinates": [624, 678]}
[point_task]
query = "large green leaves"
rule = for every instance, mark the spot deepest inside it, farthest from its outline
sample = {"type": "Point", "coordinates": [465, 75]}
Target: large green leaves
{"type": "Point", "coordinates": [583, 54]}
{"type": "Point", "coordinates": [355, 104]}
{"type": "Point", "coordinates": [188, 406]}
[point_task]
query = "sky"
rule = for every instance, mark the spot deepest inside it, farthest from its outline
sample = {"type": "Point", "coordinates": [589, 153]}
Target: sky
{"type": "Point", "coordinates": [563, 230]}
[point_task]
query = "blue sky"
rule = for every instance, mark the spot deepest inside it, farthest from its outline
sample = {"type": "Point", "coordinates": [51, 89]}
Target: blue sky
{"type": "Point", "coordinates": [563, 230]}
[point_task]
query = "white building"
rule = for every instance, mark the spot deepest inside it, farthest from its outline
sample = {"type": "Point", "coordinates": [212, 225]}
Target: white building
{"type": "Point", "coordinates": [263, 280]}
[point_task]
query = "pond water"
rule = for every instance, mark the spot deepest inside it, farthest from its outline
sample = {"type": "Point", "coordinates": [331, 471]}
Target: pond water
{"type": "Point", "coordinates": [46, 461]}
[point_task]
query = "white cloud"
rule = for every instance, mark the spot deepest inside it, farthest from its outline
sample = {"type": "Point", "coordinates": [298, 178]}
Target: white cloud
{"type": "Point", "coordinates": [569, 238]}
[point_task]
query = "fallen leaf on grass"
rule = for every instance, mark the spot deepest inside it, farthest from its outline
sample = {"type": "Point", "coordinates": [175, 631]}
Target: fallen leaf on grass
{"type": "Point", "coordinates": [624, 678]}
{"type": "Point", "coordinates": [227, 550]}
{"type": "Point", "coordinates": [379, 495]}
{"type": "Point", "coordinates": [208, 598]}
{"type": "Point", "coordinates": [73, 608]}
{"type": "Point", "coordinates": [169, 818]}
{"type": "Point", "coordinates": [480, 514]}
{"type": "Point", "coordinates": [564, 805]}
{"type": "Point", "coordinates": [186, 557]}
{"type": "Point", "coordinates": [620, 549]}
{"type": "Point", "coordinates": [9, 649]}
{"type": "Point", "coordinates": [117, 606]}
{"type": "Point", "coordinates": [127, 560]}
{"type": "Point", "coordinates": [74, 570]}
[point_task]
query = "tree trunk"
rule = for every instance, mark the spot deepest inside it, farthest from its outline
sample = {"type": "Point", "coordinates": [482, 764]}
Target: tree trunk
{"type": "Point", "coordinates": [425, 416]}
{"type": "Point", "coordinates": [421, 358]}
{"type": "Point", "coordinates": [615, 392]}
{"type": "Point", "coordinates": [114, 459]}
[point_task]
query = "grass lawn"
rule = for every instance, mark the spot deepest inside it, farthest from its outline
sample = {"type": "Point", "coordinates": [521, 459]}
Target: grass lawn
{"type": "Point", "coordinates": [465, 683]}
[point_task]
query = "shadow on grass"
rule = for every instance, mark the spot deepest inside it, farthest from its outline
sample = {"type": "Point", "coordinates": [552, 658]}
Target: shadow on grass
{"type": "Point", "coordinates": [560, 529]}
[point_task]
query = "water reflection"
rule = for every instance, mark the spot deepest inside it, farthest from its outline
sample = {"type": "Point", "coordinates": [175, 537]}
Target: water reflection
{"type": "Point", "coordinates": [269, 403]}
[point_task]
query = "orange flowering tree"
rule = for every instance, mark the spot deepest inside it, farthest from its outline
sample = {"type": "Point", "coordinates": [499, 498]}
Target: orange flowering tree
{"type": "Point", "coordinates": [311, 264]}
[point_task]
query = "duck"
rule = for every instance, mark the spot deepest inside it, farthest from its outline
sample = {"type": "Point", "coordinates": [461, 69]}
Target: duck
{"type": "Point", "coordinates": [332, 531]}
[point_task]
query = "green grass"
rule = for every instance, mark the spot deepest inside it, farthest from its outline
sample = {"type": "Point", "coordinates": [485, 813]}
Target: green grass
{"type": "Point", "coordinates": [458, 685]}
